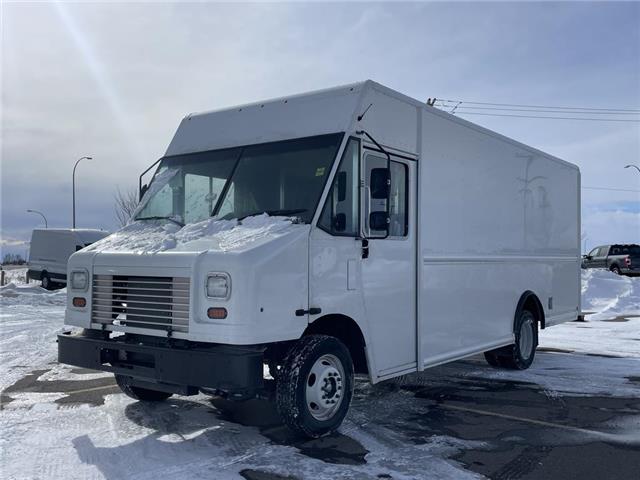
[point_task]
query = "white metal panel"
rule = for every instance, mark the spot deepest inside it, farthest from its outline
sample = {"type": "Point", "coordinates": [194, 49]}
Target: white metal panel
{"type": "Point", "coordinates": [317, 113]}
{"type": "Point", "coordinates": [497, 219]}
{"type": "Point", "coordinates": [335, 280]}
{"type": "Point", "coordinates": [390, 120]}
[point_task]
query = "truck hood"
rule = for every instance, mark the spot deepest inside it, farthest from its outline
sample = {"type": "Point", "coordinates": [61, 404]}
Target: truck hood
{"type": "Point", "coordinates": [164, 238]}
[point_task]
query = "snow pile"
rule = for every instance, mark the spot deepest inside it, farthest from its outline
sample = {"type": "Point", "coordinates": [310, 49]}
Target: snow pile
{"type": "Point", "coordinates": [15, 275]}
{"type": "Point", "coordinates": [152, 236]}
{"type": "Point", "coordinates": [31, 294]}
{"type": "Point", "coordinates": [607, 295]}
{"type": "Point", "coordinates": [611, 304]}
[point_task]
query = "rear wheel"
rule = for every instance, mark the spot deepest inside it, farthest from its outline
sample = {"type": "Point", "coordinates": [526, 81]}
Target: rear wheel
{"type": "Point", "coordinates": [46, 281]}
{"type": "Point", "coordinates": [138, 393]}
{"type": "Point", "coordinates": [520, 355]}
{"type": "Point", "coordinates": [315, 385]}
{"type": "Point", "coordinates": [616, 269]}
{"type": "Point", "coordinates": [492, 358]}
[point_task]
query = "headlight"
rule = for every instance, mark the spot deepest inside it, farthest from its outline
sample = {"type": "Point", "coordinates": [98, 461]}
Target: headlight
{"type": "Point", "coordinates": [79, 280]}
{"type": "Point", "coordinates": [218, 285]}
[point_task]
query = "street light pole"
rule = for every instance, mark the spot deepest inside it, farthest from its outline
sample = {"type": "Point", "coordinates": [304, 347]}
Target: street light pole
{"type": "Point", "coordinates": [42, 215]}
{"type": "Point", "coordinates": [73, 182]}
{"type": "Point", "coordinates": [634, 166]}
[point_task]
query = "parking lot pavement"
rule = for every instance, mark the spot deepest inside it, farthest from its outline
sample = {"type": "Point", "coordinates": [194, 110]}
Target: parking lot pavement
{"type": "Point", "coordinates": [460, 420]}
{"type": "Point", "coordinates": [530, 431]}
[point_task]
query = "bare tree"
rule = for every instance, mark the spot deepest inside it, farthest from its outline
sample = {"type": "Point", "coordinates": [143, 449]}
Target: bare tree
{"type": "Point", "coordinates": [125, 204]}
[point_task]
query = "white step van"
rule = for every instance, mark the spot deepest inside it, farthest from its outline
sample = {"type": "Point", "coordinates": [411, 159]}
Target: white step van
{"type": "Point", "coordinates": [50, 250]}
{"type": "Point", "coordinates": [349, 230]}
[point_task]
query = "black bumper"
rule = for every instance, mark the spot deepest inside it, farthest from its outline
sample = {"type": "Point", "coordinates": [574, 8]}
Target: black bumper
{"type": "Point", "coordinates": [184, 368]}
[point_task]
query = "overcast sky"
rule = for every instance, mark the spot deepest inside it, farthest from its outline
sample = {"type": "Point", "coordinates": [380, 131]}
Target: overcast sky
{"type": "Point", "coordinates": [113, 81]}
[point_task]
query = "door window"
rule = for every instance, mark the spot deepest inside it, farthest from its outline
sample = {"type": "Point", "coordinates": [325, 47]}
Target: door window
{"type": "Point", "coordinates": [398, 212]}
{"type": "Point", "coordinates": [340, 215]}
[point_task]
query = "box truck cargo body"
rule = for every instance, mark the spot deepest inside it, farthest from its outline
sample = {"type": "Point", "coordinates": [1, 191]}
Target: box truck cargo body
{"type": "Point", "coordinates": [348, 230]}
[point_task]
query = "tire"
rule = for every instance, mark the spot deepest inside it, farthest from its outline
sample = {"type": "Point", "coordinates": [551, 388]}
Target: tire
{"type": "Point", "coordinates": [46, 282]}
{"type": "Point", "coordinates": [615, 269]}
{"type": "Point", "coordinates": [492, 358]}
{"type": "Point", "coordinates": [315, 385]}
{"type": "Point", "coordinates": [520, 355]}
{"type": "Point", "coordinates": [142, 394]}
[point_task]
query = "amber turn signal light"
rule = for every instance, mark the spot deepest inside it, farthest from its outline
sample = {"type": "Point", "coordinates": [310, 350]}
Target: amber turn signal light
{"type": "Point", "coordinates": [217, 313]}
{"type": "Point", "coordinates": [79, 302]}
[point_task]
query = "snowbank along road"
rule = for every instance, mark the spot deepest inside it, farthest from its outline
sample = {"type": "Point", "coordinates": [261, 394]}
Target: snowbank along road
{"type": "Point", "coordinates": [574, 414]}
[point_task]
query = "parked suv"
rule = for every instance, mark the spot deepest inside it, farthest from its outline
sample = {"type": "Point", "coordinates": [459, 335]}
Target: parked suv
{"type": "Point", "coordinates": [620, 259]}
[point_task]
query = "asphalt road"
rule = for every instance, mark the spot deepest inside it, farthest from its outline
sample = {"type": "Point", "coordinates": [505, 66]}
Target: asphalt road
{"type": "Point", "coordinates": [522, 431]}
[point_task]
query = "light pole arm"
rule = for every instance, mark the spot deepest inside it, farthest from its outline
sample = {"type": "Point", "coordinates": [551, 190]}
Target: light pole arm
{"type": "Point", "coordinates": [46, 225]}
{"type": "Point", "coordinates": [633, 166]}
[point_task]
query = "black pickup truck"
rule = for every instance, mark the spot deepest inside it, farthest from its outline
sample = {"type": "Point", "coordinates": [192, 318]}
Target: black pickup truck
{"type": "Point", "coordinates": [620, 259]}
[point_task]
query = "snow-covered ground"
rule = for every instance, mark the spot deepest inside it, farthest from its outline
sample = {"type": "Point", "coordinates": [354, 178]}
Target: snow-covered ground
{"type": "Point", "coordinates": [16, 275]}
{"type": "Point", "coordinates": [58, 422]}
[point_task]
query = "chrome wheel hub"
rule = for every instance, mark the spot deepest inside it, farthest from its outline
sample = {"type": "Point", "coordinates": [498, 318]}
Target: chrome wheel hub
{"type": "Point", "coordinates": [324, 388]}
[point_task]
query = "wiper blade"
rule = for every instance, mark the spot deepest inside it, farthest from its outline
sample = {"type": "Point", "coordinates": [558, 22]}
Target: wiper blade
{"type": "Point", "coordinates": [161, 218]}
{"type": "Point", "coordinates": [272, 213]}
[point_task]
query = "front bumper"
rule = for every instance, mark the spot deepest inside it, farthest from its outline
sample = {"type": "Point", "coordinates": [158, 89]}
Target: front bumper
{"type": "Point", "coordinates": [184, 367]}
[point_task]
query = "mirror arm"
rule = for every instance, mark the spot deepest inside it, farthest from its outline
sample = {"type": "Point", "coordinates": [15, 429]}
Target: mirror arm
{"type": "Point", "coordinates": [144, 173]}
{"type": "Point", "coordinates": [380, 147]}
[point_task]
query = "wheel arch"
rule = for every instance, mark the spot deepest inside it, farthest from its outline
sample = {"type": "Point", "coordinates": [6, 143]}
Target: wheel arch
{"type": "Point", "coordinates": [346, 330]}
{"type": "Point", "coordinates": [530, 301]}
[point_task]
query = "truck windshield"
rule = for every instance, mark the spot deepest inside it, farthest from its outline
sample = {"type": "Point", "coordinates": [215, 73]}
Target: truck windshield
{"type": "Point", "coordinates": [278, 178]}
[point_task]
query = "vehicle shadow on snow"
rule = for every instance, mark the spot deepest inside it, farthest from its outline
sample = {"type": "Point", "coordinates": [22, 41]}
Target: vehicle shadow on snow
{"type": "Point", "coordinates": [516, 429]}
{"type": "Point", "coordinates": [192, 431]}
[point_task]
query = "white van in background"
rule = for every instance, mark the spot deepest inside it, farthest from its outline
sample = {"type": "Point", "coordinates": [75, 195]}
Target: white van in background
{"type": "Point", "coordinates": [50, 250]}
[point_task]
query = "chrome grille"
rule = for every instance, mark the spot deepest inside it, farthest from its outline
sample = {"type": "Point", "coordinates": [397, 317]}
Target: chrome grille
{"type": "Point", "coordinates": [160, 303]}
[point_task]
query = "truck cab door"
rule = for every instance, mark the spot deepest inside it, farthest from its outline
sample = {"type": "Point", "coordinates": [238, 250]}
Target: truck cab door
{"type": "Point", "coordinates": [388, 268]}
{"type": "Point", "coordinates": [335, 247]}
{"type": "Point", "coordinates": [600, 260]}
{"type": "Point", "coordinates": [590, 259]}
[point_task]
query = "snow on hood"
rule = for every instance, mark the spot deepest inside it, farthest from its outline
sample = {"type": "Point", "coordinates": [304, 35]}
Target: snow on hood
{"type": "Point", "coordinates": [152, 236]}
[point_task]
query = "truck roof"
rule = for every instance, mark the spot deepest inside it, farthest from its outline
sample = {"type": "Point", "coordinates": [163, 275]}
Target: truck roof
{"type": "Point", "coordinates": [331, 110]}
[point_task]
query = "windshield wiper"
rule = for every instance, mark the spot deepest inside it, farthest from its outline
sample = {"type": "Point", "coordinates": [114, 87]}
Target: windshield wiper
{"type": "Point", "coordinates": [276, 213]}
{"type": "Point", "coordinates": [161, 218]}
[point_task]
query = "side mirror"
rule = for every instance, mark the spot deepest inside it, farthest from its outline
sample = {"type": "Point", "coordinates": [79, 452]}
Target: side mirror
{"type": "Point", "coordinates": [379, 221]}
{"type": "Point", "coordinates": [340, 222]}
{"type": "Point", "coordinates": [342, 186]}
{"type": "Point", "coordinates": [143, 190]}
{"type": "Point", "coordinates": [380, 183]}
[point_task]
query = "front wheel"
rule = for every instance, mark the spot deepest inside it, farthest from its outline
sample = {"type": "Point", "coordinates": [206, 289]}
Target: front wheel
{"type": "Point", "coordinates": [138, 393]}
{"type": "Point", "coordinates": [315, 385]}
